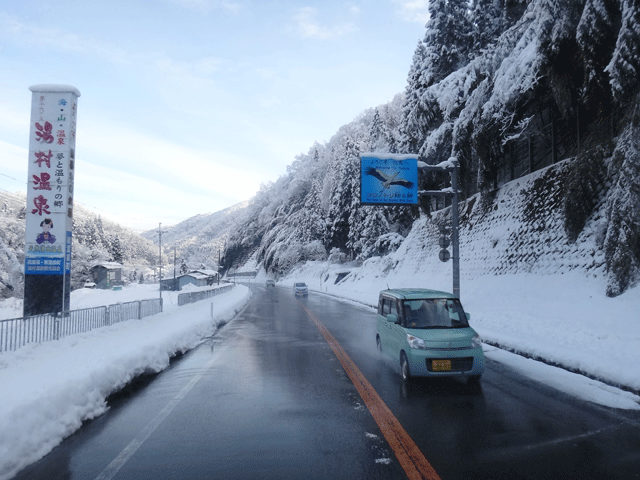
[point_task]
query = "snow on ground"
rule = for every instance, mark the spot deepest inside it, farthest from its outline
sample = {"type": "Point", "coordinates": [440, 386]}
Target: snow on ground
{"type": "Point", "coordinates": [49, 389]}
{"type": "Point", "coordinates": [577, 327]}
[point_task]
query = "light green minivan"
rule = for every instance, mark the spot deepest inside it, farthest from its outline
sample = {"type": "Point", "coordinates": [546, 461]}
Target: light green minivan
{"type": "Point", "coordinates": [428, 333]}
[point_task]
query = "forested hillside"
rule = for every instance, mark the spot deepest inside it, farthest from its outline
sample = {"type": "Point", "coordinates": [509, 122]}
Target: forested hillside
{"type": "Point", "coordinates": [94, 241]}
{"type": "Point", "coordinates": [199, 241]}
{"type": "Point", "coordinates": [507, 87]}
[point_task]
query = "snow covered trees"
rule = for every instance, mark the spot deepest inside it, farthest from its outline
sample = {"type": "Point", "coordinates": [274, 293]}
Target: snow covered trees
{"type": "Point", "coordinates": [506, 86]}
{"type": "Point", "coordinates": [343, 195]}
{"type": "Point", "coordinates": [622, 242]}
{"type": "Point", "coordinates": [624, 67]}
{"type": "Point", "coordinates": [448, 39]}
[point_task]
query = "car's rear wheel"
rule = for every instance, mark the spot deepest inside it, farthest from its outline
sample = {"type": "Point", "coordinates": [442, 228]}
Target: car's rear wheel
{"type": "Point", "coordinates": [404, 367]}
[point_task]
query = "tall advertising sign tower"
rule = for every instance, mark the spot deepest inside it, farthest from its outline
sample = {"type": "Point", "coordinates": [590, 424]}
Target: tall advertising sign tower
{"type": "Point", "coordinates": [49, 214]}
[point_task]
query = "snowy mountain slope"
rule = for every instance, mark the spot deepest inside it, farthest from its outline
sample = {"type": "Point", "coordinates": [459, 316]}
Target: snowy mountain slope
{"type": "Point", "coordinates": [518, 229]}
{"type": "Point", "coordinates": [540, 88]}
{"type": "Point", "coordinates": [198, 240]}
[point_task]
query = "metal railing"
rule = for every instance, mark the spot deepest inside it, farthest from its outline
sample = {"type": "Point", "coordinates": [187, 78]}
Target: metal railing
{"type": "Point", "coordinates": [17, 332]}
{"type": "Point", "coordinates": [191, 297]}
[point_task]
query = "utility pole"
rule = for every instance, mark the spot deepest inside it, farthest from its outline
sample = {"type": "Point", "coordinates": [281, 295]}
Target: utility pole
{"type": "Point", "coordinates": [160, 260]}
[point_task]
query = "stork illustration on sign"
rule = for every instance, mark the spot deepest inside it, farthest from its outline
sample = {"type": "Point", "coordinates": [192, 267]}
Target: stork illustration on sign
{"type": "Point", "coordinates": [388, 180]}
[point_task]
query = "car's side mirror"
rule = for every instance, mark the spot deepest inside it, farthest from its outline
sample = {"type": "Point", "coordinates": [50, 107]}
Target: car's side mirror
{"type": "Point", "coordinates": [468, 315]}
{"type": "Point", "coordinates": [392, 318]}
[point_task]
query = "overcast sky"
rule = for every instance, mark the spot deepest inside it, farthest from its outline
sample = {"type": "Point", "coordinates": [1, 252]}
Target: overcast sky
{"type": "Point", "coordinates": [188, 106]}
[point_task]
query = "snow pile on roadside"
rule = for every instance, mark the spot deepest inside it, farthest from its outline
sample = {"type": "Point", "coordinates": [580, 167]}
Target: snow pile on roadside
{"type": "Point", "coordinates": [49, 389]}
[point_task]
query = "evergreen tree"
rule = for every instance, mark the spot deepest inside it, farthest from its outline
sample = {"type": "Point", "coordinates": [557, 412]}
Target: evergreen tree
{"type": "Point", "coordinates": [367, 224]}
{"type": "Point", "coordinates": [378, 135]}
{"type": "Point", "coordinates": [624, 67]}
{"type": "Point", "coordinates": [596, 36]}
{"type": "Point", "coordinates": [622, 241]}
{"type": "Point", "coordinates": [486, 20]}
{"type": "Point", "coordinates": [413, 129]}
{"type": "Point", "coordinates": [448, 39]}
{"type": "Point", "coordinates": [342, 195]}
{"type": "Point", "coordinates": [312, 220]}
{"type": "Point", "coordinates": [116, 250]}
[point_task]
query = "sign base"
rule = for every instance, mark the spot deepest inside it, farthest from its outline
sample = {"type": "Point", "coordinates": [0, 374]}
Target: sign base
{"type": "Point", "coordinates": [46, 294]}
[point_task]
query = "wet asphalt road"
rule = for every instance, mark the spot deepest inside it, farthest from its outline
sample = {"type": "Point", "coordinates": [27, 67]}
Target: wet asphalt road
{"type": "Point", "coordinates": [267, 398]}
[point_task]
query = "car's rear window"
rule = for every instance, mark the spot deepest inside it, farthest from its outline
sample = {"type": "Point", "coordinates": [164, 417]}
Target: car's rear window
{"type": "Point", "coordinates": [433, 313]}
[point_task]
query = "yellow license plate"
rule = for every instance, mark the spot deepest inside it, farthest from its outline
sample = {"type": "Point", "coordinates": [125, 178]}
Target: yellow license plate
{"type": "Point", "coordinates": [441, 365]}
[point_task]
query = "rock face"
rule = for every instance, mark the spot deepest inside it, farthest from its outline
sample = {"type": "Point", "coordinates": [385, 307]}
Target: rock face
{"type": "Point", "coordinates": [518, 228]}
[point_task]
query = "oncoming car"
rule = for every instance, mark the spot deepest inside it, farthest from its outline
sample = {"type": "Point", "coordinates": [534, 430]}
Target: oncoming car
{"type": "Point", "coordinates": [300, 288]}
{"type": "Point", "coordinates": [270, 283]}
{"type": "Point", "coordinates": [427, 332]}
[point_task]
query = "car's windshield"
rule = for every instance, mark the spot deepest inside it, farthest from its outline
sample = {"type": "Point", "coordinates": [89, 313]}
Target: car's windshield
{"type": "Point", "coordinates": [434, 313]}
{"type": "Point", "coordinates": [300, 285]}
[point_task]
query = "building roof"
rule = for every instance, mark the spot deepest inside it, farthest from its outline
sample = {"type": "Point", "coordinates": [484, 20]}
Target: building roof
{"type": "Point", "coordinates": [109, 265]}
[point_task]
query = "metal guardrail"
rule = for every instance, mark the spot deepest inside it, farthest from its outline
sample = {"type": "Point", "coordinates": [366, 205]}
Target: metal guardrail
{"type": "Point", "coordinates": [17, 332]}
{"type": "Point", "coordinates": [191, 297]}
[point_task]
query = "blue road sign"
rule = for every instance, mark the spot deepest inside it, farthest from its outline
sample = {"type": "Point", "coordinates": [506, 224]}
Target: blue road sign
{"type": "Point", "coordinates": [388, 179]}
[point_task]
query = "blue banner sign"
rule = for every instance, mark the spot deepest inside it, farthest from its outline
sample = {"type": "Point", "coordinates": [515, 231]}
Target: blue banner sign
{"type": "Point", "coordinates": [388, 179]}
{"type": "Point", "coordinates": [44, 265]}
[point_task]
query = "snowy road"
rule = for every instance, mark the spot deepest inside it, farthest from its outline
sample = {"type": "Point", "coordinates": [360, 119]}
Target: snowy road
{"type": "Point", "coordinates": [266, 397]}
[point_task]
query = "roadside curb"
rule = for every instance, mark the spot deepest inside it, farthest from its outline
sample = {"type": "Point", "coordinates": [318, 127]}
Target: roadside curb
{"type": "Point", "coordinates": [538, 358]}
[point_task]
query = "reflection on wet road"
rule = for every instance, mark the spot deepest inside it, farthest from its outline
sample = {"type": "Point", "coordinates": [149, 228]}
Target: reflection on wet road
{"type": "Point", "coordinates": [267, 397]}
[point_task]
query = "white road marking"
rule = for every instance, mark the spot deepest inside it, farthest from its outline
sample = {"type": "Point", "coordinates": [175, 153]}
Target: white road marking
{"type": "Point", "coordinates": [112, 469]}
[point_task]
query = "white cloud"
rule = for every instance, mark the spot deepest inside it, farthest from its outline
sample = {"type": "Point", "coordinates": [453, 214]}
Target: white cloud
{"type": "Point", "coordinates": [160, 160]}
{"type": "Point", "coordinates": [414, 10]}
{"type": "Point", "coordinates": [58, 39]}
{"type": "Point", "coordinates": [308, 26]}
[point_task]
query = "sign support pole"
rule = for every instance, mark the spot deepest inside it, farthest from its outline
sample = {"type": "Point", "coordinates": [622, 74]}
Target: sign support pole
{"type": "Point", "coordinates": [451, 165]}
{"type": "Point", "coordinates": [454, 230]}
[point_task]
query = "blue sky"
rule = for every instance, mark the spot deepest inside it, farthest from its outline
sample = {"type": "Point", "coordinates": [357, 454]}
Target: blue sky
{"type": "Point", "coordinates": [188, 106]}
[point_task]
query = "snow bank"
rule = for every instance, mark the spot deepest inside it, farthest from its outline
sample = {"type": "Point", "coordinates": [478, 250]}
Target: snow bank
{"type": "Point", "coordinates": [49, 389]}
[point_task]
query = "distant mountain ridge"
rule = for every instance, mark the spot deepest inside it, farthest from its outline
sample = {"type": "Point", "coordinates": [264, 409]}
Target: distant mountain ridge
{"type": "Point", "coordinates": [199, 240]}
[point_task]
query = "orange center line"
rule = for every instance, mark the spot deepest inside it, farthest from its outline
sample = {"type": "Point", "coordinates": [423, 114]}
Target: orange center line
{"type": "Point", "coordinates": [414, 463]}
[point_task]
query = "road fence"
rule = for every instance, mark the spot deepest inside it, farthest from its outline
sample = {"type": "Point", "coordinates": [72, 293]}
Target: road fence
{"type": "Point", "coordinates": [191, 297]}
{"type": "Point", "coordinates": [17, 332]}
